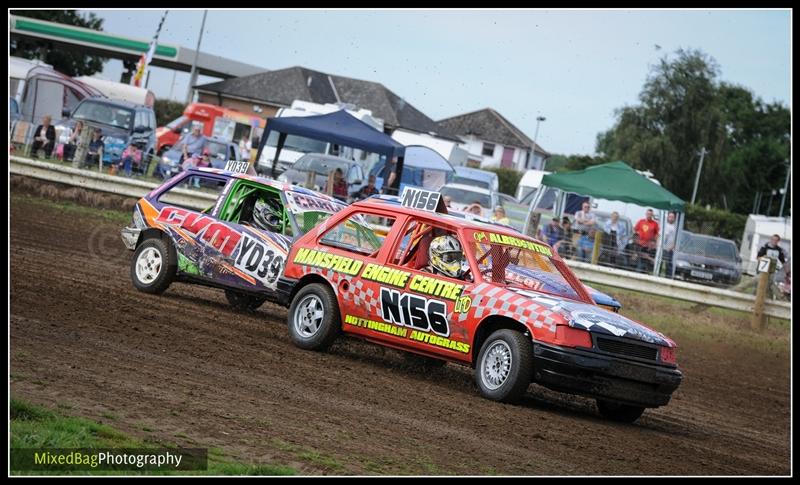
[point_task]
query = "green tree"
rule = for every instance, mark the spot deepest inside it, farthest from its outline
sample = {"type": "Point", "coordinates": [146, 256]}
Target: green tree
{"type": "Point", "coordinates": [682, 108]}
{"type": "Point", "coordinates": [72, 62]}
{"type": "Point", "coordinates": [508, 179]}
{"type": "Point", "coordinates": [167, 110]}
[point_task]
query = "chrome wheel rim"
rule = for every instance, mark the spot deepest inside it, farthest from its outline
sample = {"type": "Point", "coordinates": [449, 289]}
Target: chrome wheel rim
{"type": "Point", "coordinates": [496, 365]}
{"type": "Point", "coordinates": [308, 316]}
{"type": "Point", "coordinates": [148, 265]}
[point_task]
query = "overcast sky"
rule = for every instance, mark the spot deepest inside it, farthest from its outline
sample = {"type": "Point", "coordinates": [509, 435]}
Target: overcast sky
{"type": "Point", "coordinates": [573, 67]}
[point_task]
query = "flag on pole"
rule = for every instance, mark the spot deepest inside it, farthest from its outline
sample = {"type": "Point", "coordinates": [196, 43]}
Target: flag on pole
{"type": "Point", "coordinates": [145, 60]}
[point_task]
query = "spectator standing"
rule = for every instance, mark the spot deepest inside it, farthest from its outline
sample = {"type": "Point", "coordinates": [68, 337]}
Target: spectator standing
{"type": "Point", "coordinates": [44, 138]}
{"type": "Point", "coordinates": [647, 230]}
{"type": "Point", "coordinates": [618, 235]}
{"type": "Point", "coordinates": [669, 242]}
{"type": "Point", "coordinates": [772, 249]}
{"type": "Point", "coordinates": [192, 142]}
{"type": "Point", "coordinates": [584, 219]}
{"type": "Point", "coordinates": [244, 148]}
{"type": "Point", "coordinates": [390, 174]}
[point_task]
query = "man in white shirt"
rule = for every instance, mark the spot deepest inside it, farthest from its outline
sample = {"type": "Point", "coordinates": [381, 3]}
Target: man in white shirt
{"type": "Point", "coordinates": [584, 219]}
{"type": "Point", "coordinates": [669, 242]}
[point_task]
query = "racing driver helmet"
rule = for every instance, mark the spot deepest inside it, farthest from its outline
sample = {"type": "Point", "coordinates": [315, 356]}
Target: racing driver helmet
{"type": "Point", "coordinates": [447, 257]}
{"type": "Point", "coordinates": [268, 214]}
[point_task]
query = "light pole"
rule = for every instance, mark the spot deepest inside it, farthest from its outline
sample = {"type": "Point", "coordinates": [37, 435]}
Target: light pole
{"type": "Point", "coordinates": [535, 136]}
{"type": "Point", "coordinates": [193, 77]}
{"type": "Point", "coordinates": [771, 195]}
{"type": "Point", "coordinates": [785, 186]}
{"type": "Point", "coordinates": [703, 152]}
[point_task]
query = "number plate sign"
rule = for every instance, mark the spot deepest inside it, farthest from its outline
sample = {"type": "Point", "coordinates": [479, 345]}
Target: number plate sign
{"type": "Point", "coordinates": [237, 167]}
{"type": "Point", "coordinates": [421, 199]}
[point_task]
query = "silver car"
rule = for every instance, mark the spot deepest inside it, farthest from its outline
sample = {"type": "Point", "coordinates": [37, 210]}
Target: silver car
{"type": "Point", "coordinates": [322, 166]}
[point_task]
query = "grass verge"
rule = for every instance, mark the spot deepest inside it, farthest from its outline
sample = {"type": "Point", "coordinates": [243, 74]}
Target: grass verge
{"type": "Point", "coordinates": [38, 427]}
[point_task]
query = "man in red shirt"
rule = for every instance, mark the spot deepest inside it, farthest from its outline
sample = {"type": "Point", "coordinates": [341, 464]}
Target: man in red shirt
{"type": "Point", "coordinates": [647, 229]}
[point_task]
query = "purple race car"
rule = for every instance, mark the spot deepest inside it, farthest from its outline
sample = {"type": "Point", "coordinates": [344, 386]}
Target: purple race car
{"type": "Point", "coordinates": [236, 238]}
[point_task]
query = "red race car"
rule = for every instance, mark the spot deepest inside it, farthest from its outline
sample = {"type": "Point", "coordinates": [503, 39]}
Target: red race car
{"type": "Point", "coordinates": [402, 273]}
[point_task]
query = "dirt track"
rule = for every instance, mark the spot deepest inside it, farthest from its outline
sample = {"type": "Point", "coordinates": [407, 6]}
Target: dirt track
{"type": "Point", "coordinates": [195, 372]}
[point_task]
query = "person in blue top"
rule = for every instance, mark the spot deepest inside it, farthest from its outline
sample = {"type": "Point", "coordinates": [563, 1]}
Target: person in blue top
{"type": "Point", "coordinates": [553, 232]}
{"type": "Point", "coordinates": [586, 245]}
{"type": "Point", "coordinates": [193, 142]}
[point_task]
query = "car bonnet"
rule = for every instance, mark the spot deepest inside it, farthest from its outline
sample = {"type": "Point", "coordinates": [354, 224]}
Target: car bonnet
{"type": "Point", "coordinates": [596, 319]}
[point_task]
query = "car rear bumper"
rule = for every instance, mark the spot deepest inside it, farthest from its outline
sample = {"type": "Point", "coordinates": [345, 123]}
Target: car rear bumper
{"type": "Point", "coordinates": [600, 376]}
{"type": "Point", "coordinates": [717, 278]}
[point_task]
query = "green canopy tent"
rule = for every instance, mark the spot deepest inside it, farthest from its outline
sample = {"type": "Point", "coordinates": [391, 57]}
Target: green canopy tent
{"type": "Point", "coordinates": [612, 181]}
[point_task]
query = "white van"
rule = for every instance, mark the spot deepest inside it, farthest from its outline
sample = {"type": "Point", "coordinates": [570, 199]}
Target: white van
{"type": "Point", "coordinates": [530, 181]}
{"type": "Point", "coordinates": [449, 149]}
{"type": "Point", "coordinates": [124, 92]}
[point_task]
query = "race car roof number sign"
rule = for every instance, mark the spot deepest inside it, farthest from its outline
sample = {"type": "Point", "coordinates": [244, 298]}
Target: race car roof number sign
{"type": "Point", "coordinates": [422, 199]}
{"type": "Point", "coordinates": [236, 166]}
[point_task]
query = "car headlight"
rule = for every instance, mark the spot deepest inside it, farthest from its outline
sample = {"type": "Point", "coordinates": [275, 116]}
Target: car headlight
{"type": "Point", "coordinates": [283, 179]}
{"type": "Point", "coordinates": [682, 264]}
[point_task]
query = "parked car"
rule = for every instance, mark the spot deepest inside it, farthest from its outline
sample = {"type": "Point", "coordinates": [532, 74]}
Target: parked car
{"type": "Point", "coordinates": [500, 302]}
{"type": "Point", "coordinates": [707, 259]}
{"type": "Point", "coordinates": [463, 196]}
{"type": "Point", "coordinates": [220, 152]}
{"type": "Point", "coordinates": [323, 165]}
{"type": "Point", "coordinates": [476, 177]}
{"type": "Point", "coordinates": [121, 122]}
{"type": "Point", "coordinates": [237, 243]}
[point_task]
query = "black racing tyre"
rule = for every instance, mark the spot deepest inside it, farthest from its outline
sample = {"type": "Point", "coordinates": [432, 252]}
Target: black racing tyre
{"type": "Point", "coordinates": [623, 413]}
{"type": "Point", "coordinates": [314, 320]}
{"type": "Point", "coordinates": [505, 366]}
{"type": "Point", "coordinates": [153, 266]}
{"type": "Point", "coordinates": [243, 302]}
